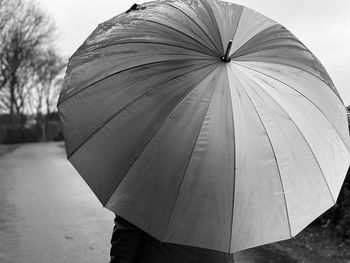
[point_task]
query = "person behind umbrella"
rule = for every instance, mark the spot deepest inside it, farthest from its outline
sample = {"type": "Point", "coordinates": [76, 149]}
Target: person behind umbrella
{"type": "Point", "coordinates": [132, 245]}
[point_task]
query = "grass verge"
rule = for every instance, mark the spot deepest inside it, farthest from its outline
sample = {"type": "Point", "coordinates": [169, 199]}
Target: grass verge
{"type": "Point", "coordinates": [316, 244]}
{"type": "Point", "coordinates": [4, 148]}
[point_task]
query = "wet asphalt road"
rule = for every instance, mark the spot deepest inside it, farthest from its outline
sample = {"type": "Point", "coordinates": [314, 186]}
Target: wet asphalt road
{"type": "Point", "coordinates": [48, 213]}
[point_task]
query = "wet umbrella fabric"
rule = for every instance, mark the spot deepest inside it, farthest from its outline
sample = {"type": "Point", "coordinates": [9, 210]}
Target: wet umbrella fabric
{"type": "Point", "coordinates": [195, 149]}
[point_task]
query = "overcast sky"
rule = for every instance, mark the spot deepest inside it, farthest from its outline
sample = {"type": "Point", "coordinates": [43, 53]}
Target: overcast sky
{"type": "Point", "coordinates": [322, 25]}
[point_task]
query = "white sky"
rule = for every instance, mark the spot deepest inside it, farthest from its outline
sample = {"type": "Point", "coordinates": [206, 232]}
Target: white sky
{"type": "Point", "coordinates": [322, 25]}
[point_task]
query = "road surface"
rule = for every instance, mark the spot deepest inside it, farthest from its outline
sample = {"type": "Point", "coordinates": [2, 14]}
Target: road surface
{"type": "Point", "coordinates": [48, 213]}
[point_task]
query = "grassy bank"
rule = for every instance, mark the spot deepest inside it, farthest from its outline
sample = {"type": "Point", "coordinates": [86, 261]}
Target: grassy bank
{"type": "Point", "coordinates": [315, 244]}
{"type": "Point", "coordinates": [7, 148]}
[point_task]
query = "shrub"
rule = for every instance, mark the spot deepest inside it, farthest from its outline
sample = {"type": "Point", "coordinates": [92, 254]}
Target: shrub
{"type": "Point", "coordinates": [2, 134]}
{"type": "Point", "coordinates": [338, 217]}
{"type": "Point", "coordinates": [21, 134]}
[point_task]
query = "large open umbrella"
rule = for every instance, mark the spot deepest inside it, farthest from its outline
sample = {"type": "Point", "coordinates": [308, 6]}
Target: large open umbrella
{"type": "Point", "coordinates": [200, 140]}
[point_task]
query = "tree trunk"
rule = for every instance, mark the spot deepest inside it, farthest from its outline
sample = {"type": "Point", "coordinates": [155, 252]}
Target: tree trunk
{"type": "Point", "coordinates": [43, 131]}
{"type": "Point", "coordinates": [12, 99]}
{"type": "Point", "coordinates": [46, 117]}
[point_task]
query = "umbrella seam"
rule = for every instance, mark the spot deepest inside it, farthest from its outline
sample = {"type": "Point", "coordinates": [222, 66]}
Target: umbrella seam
{"type": "Point", "coordinates": [291, 36]}
{"type": "Point", "coordinates": [202, 29]}
{"type": "Point", "coordinates": [201, 44]}
{"type": "Point", "coordinates": [208, 28]}
{"type": "Point", "coordinates": [189, 159]}
{"type": "Point", "coordinates": [121, 71]}
{"type": "Point", "coordinates": [280, 46]}
{"type": "Point", "coordinates": [213, 18]}
{"type": "Point", "coordinates": [234, 165]}
{"type": "Point", "coordinates": [131, 102]}
{"type": "Point", "coordinates": [146, 144]}
{"type": "Point", "coordinates": [305, 98]}
{"type": "Point", "coordinates": [275, 157]}
{"type": "Point", "coordinates": [297, 127]}
{"type": "Point", "coordinates": [239, 21]}
{"type": "Point", "coordinates": [253, 36]}
{"type": "Point", "coordinates": [301, 69]}
{"type": "Point", "coordinates": [138, 42]}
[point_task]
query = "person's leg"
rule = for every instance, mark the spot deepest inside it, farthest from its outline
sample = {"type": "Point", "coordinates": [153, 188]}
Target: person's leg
{"type": "Point", "coordinates": [125, 241]}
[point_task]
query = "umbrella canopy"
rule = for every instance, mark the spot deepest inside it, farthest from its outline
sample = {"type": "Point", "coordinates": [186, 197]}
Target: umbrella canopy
{"type": "Point", "coordinates": [199, 148]}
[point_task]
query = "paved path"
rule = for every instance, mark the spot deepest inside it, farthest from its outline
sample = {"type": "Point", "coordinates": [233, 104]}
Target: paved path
{"type": "Point", "coordinates": [48, 213]}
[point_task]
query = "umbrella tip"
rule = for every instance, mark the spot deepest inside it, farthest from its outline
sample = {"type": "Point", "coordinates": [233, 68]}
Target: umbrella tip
{"type": "Point", "coordinates": [226, 57]}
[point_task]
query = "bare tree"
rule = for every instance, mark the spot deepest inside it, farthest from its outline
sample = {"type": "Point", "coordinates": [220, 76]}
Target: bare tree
{"type": "Point", "coordinates": [4, 102]}
{"type": "Point", "coordinates": [25, 32]}
{"type": "Point", "coordinates": [48, 76]}
{"type": "Point", "coordinates": [6, 13]}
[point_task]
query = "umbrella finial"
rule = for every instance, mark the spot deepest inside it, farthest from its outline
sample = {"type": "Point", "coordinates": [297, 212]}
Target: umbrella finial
{"type": "Point", "coordinates": [226, 57]}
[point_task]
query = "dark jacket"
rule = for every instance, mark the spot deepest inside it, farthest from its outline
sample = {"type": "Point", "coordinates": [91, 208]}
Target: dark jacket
{"type": "Point", "coordinates": [132, 245]}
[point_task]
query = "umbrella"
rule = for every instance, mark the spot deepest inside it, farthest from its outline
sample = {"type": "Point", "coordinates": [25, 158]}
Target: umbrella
{"type": "Point", "coordinates": [205, 123]}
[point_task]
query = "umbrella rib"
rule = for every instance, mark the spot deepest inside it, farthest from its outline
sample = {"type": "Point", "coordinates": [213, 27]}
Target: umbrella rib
{"type": "Point", "coordinates": [278, 26]}
{"type": "Point", "coordinates": [118, 72]}
{"type": "Point", "coordinates": [213, 18]}
{"type": "Point", "coordinates": [246, 42]}
{"type": "Point", "coordinates": [297, 127]}
{"type": "Point", "coordinates": [274, 154]}
{"type": "Point", "coordinates": [140, 42]}
{"type": "Point", "coordinates": [293, 66]}
{"type": "Point", "coordinates": [234, 167]}
{"type": "Point", "coordinates": [247, 52]}
{"type": "Point", "coordinates": [205, 33]}
{"type": "Point", "coordinates": [238, 22]}
{"type": "Point", "coordinates": [189, 159]}
{"type": "Point", "coordinates": [148, 142]}
{"type": "Point", "coordinates": [302, 96]}
{"type": "Point", "coordinates": [126, 106]}
{"type": "Point", "coordinates": [201, 44]}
